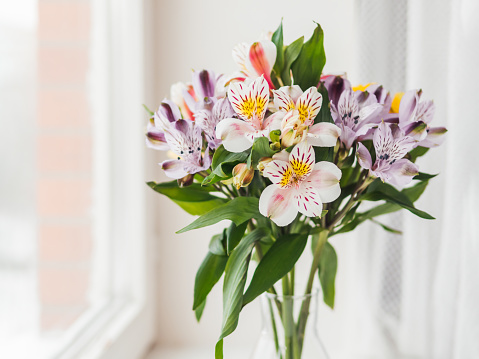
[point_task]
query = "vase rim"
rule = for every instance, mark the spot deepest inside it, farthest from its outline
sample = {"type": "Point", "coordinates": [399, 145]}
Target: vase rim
{"type": "Point", "coordinates": [314, 292]}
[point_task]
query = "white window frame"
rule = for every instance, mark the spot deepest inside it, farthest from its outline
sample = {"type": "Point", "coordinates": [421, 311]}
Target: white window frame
{"type": "Point", "coordinates": [123, 327]}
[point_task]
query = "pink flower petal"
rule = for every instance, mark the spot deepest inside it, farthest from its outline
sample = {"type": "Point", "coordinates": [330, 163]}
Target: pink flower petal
{"type": "Point", "coordinates": [261, 59]}
{"type": "Point", "coordinates": [308, 201]}
{"type": "Point", "coordinates": [325, 179]}
{"type": "Point", "coordinates": [323, 134]}
{"type": "Point", "coordinates": [236, 134]}
{"type": "Point", "coordinates": [276, 203]}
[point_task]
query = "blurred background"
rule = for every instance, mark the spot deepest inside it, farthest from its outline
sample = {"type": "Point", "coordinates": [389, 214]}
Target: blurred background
{"type": "Point", "coordinates": [90, 265]}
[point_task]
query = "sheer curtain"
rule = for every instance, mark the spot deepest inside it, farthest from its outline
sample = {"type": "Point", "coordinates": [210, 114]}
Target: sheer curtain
{"type": "Point", "coordinates": [417, 294]}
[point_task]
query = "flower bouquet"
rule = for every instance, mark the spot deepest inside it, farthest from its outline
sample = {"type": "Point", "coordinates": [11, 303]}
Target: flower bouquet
{"type": "Point", "coordinates": [288, 155]}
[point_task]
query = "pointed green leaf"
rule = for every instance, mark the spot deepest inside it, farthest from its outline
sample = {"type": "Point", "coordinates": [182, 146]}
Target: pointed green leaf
{"type": "Point", "coordinates": [207, 276]}
{"type": "Point", "coordinates": [308, 66]}
{"type": "Point", "coordinates": [277, 39]}
{"type": "Point", "coordinates": [328, 266]}
{"type": "Point", "coordinates": [199, 311]}
{"type": "Point", "coordinates": [382, 191]}
{"type": "Point", "coordinates": [238, 210]}
{"type": "Point", "coordinates": [417, 152]}
{"type": "Point", "coordinates": [291, 53]}
{"type": "Point", "coordinates": [194, 199]}
{"type": "Point", "coordinates": [234, 235]}
{"type": "Point", "coordinates": [234, 283]}
{"type": "Point", "coordinates": [276, 263]}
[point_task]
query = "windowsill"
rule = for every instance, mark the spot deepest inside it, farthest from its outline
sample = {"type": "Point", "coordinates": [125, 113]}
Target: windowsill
{"type": "Point", "coordinates": [196, 353]}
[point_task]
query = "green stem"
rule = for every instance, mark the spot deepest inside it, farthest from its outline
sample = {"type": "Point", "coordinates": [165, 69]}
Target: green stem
{"type": "Point", "coordinates": [304, 312]}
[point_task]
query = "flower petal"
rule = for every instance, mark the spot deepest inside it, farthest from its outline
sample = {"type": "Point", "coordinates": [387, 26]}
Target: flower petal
{"type": "Point", "coordinates": [279, 172]}
{"type": "Point", "coordinates": [275, 203]}
{"type": "Point", "coordinates": [155, 138]}
{"type": "Point", "coordinates": [408, 106]}
{"type": "Point", "coordinates": [236, 134]}
{"type": "Point", "coordinates": [435, 137]}
{"type": "Point", "coordinates": [402, 172]}
{"type": "Point", "coordinates": [250, 103]}
{"type": "Point", "coordinates": [302, 159]}
{"type": "Point", "coordinates": [261, 59]}
{"type": "Point", "coordinates": [204, 83]}
{"type": "Point", "coordinates": [325, 179]}
{"type": "Point", "coordinates": [174, 168]}
{"type": "Point", "coordinates": [336, 85]}
{"type": "Point", "coordinates": [309, 104]}
{"type": "Point", "coordinates": [323, 134]}
{"type": "Point", "coordinates": [282, 98]}
{"type": "Point", "coordinates": [364, 157]}
{"type": "Point", "coordinates": [308, 201]}
{"type": "Point", "coordinates": [240, 53]}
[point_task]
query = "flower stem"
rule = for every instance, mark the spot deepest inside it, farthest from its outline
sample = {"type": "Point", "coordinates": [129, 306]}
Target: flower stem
{"type": "Point", "coordinates": [304, 312]}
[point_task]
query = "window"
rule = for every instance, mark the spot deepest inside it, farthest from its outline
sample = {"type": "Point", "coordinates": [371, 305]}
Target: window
{"type": "Point", "coordinates": [74, 278]}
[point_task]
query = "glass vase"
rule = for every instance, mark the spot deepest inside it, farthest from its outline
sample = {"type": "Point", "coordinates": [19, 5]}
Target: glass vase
{"type": "Point", "coordinates": [289, 328]}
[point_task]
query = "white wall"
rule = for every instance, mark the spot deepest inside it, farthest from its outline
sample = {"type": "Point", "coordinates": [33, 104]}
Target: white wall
{"type": "Point", "coordinates": [197, 35]}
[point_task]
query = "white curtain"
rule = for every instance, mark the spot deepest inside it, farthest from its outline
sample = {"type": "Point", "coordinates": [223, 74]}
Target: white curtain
{"type": "Point", "coordinates": [417, 295]}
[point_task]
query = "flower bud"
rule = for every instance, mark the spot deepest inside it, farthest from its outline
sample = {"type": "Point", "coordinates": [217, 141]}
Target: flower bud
{"type": "Point", "coordinates": [185, 181]}
{"type": "Point", "coordinates": [263, 162]}
{"type": "Point", "coordinates": [242, 175]}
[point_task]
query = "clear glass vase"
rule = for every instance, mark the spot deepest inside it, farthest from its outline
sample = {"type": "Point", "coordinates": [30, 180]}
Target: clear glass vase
{"type": "Point", "coordinates": [286, 333]}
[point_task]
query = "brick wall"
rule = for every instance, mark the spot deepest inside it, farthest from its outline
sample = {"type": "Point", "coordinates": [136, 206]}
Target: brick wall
{"type": "Point", "coordinates": [64, 161]}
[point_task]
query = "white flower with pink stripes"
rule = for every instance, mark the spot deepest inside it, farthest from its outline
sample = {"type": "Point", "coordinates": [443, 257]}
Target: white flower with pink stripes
{"type": "Point", "coordinates": [250, 103]}
{"type": "Point", "coordinates": [299, 185]}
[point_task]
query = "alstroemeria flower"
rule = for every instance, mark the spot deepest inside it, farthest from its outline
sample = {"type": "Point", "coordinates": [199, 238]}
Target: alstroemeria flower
{"type": "Point", "coordinates": [185, 141]}
{"type": "Point", "coordinates": [356, 113]}
{"type": "Point", "coordinates": [204, 84]}
{"type": "Point", "coordinates": [335, 85]}
{"type": "Point", "coordinates": [391, 145]}
{"type": "Point", "coordinates": [415, 117]}
{"type": "Point", "coordinates": [299, 185]}
{"type": "Point", "coordinates": [256, 59]}
{"type": "Point", "coordinates": [298, 111]}
{"type": "Point", "coordinates": [177, 92]}
{"type": "Point", "coordinates": [209, 119]}
{"type": "Point", "coordinates": [168, 131]}
{"type": "Point", "coordinates": [250, 104]}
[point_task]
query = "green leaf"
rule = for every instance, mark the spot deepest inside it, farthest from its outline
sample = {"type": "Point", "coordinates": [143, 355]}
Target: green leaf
{"type": "Point", "coordinates": [424, 176]}
{"type": "Point", "coordinates": [223, 163]}
{"type": "Point", "coordinates": [194, 199]}
{"type": "Point", "coordinates": [417, 152]}
{"type": "Point", "coordinates": [207, 276]}
{"type": "Point", "coordinates": [308, 66]}
{"type": "Point", "coordinates": [259, 149]}
{"type": "Point", "coordinates": [199, 311]}
{"type": "Point", "coordinates": [324, 114]}
{"type": "Point", "coordinates": [328, 266]}
{"type": "Point", "coordinates": [277, 39]}
{"type": "Point", "coordinates": [218, 244]}
{"type": "Point", "coordinates": [277, 262]}
{"type": "Point", "coordinates": [234, 283]}
{"type": "Point", "coordinates": [386, 228]}
{"type": "Point", "coordinates": [193, 193]}
{"type": "Point", "coordinates": [291, 53]}
{"type": "Point", "coordinates": [382, 191]}
{"type": "Point", "coordinates": [238, 210]}
{"type": "Point", "coordinates": [151, 113]}
{"type": "Point", "coordinates": [234, 235]}
{"type": "Point", "coordinates": [413, 193]}
{"type": "Point", "coordinates": [200, 208]}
